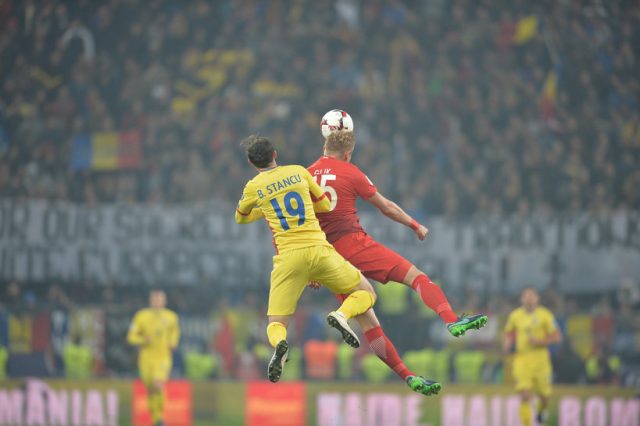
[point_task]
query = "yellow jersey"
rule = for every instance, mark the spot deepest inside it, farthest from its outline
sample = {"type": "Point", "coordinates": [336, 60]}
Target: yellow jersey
{"type": "Point", "coordinates": [538, 324]}
{"type": "Point", "coordinates": [287, 197]}
{"type": "Point", "coordinates": [155, 331]}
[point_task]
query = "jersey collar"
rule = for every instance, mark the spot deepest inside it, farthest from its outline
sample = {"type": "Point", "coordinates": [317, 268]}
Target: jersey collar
{"type": "Point", "coordinates": [269, 169]}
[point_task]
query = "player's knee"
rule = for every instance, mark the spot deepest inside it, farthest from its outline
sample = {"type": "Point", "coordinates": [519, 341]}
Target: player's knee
{"type": "Point", "coordinates": [282, 319]}
{"type": "Point", "coordinates": [367, 321]}
{"type": "Point", "coordinates": [366, 286]}
{"type": "Point", "coordinates": [373, 295]}
{"type": "Point", "coordinates": [525, 395]}
{"type": "Point", "coordinates": [412, 274]}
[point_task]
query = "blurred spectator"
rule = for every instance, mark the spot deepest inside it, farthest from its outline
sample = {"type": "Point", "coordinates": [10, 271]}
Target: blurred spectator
{"type": "Point", "coordinates": [4, 357]}
{"type": "Point", "coordinates": [78, 359]}
{"type": "Point", "coordinates": [568, 366]}
{"type": "Point", "coordinates": [13, 296]}
{"type": "Point", "coordinates": [603, 367]}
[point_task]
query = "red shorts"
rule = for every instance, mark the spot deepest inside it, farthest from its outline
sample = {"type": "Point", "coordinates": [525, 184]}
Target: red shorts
{"type": "Point", "coordinates": [374, 260]}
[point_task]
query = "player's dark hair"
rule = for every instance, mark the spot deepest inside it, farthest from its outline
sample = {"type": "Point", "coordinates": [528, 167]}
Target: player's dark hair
{"type": "Point", "coordinates": [259, 150]}
{"type": "Point", "coordinates": [340, 141]}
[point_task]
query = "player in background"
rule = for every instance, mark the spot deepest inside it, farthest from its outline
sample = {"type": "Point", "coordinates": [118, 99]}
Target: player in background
{"type": "Point", "coordinates": [533, 328]}
{"type": "Point", "coordinates": [345, 182]}
{"type": "Point", "coordinates": [155, 331]}
{"type": "Point", "coordinates": [288, 197]}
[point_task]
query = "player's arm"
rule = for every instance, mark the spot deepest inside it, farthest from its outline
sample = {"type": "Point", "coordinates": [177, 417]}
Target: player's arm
{"type": "Point", "coordinates": [509, 335]}
{"type": "Point", "coordinates": [321, 203]}
{"type": "Point", "coordinates": [552, 333]}
{"type": "Point", "coordinates": [246, 212]}
{"type": "Point", "coordinates": [395, 212]}
{"type": "Point", "coordinates": [135, 335]}
{"type": "Point", "coordinates": [174, 338]}
{"type": "Point", "coordinates": [255, 214]}
{"type": "Point", "coordinates": [552, 339]}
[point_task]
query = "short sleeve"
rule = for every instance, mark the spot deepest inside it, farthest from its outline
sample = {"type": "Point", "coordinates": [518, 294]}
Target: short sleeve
{"type": "Point", "coordinates": [363, 185]}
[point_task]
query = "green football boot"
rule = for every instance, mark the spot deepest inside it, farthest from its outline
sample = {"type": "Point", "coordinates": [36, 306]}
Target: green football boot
{"type": "Point", "coordinates": [465, 323]}
{"type": "Point", "coordinates": [421, 385]}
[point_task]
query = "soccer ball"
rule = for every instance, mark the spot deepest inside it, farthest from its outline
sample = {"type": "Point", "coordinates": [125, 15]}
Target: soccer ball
{"type": "Point", "coordinates": [336, 119]}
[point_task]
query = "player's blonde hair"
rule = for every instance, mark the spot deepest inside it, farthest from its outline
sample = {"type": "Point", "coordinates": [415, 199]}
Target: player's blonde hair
{"type": "Point", "coordinates": [340, 141]}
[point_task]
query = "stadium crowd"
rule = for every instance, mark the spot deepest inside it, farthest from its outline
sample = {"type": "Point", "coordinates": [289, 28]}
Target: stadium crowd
{"type": "Point", "coordinates": [460, 107]}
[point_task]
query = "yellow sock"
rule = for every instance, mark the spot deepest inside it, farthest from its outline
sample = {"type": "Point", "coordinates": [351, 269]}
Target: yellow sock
{"type": "Point", "coordinates": [525, 413]}
{"type": "Point", "coordinates": [153, 410]}
{"type": "Point", "coordinates": [160, 407]}
{"type": "Point", "coordinates": [357, 303]}
{"type": "Point", "coordinates": [156, 406]}
{"type": "Point", "coordinates": [276, 331]}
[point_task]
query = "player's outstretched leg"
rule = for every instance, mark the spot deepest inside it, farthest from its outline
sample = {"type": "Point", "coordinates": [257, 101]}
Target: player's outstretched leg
{"type": "Point", "coordinates": [384, 349]}
{"type": "Point", "coordinates": [421, 385]}
{"type": "Point", "coordinates": [433, 297]}
{"type": "Point", "coordinates": [277, 334]}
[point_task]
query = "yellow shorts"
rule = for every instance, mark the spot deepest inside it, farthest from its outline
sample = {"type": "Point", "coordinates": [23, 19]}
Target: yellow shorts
{"type": "Point", "coordinates": [154, 370]}
{"type": "Point", "coordinates": [532, 375]}
{"type": "Point", "coordinates": [293, 269]}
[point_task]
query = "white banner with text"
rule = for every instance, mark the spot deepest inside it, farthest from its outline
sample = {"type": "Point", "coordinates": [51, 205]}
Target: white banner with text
{"type": "Point", "coordinates": [191, 245]}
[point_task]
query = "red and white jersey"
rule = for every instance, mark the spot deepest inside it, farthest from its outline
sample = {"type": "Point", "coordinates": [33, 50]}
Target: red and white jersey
{"type": "Point", "coordinates": [343, 182]}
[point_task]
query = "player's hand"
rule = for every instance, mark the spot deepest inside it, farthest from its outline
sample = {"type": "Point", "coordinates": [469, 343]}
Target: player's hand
{"type": "Point", "coordinates": [537, 342]}
{"type": "Point", "coordinates": [422, 232]}
{"type": "Point", "coordinates": [314, 285]}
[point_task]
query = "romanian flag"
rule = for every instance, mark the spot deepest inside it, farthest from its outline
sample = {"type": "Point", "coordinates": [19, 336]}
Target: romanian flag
{"type": "Point", "coordinates": [107, 151]}
{"type": "Point", "coordinates": [549, 95]}
{"type": "Point", "coordinates": [526, 29]}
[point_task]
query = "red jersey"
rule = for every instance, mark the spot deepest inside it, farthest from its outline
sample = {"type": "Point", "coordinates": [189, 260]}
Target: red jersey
{"type": "Point", "coordinates": [343, 182]}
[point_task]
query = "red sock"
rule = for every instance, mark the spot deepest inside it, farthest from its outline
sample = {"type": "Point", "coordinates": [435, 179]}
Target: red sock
{"type": "Point", "coordinates": [433, 297]}
{"type": "Point", "coordinates": [384, 349]}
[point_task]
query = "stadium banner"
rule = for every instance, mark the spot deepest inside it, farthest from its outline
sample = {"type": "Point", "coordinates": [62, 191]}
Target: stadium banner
{"type": "Point", "coordinates": [186, 245]}
{"type": "Point", "coordinates": [108, 402]}
{"type": "Point", "coordinates": [114, 402]}
{"type": "Point", "coordinates": [465, 405]}
{"type": "Point", "coordinates": [40, 402]}
{"type": "Point", "coordinates": [284, 404]}
{"type": "Point", "coordinates": [178, 410]}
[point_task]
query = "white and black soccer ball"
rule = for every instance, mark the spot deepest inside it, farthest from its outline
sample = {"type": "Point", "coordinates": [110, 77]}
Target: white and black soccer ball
{"type": "Point", "coordinates": [336, 119]}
